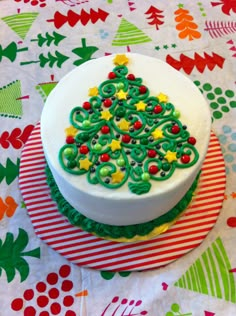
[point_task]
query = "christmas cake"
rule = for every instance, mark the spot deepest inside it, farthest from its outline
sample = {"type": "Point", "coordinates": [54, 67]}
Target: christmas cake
{"type": "Point", "coordinates": [124, 138]}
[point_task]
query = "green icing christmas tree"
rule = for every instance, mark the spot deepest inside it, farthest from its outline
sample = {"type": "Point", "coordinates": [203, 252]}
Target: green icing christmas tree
{"type": "Point", "coordinates": [129, 34]}
{"type": "Point", "coordinates": [11, 100]}
{"type": "Point", "coordinates": [21, 23]}
{"type": "Point", "coordinates": [210, 274]}
{"type": "Point", "coordinates": [122, 133]}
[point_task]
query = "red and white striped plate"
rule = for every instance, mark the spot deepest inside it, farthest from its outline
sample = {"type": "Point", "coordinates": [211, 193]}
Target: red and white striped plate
{"type": "Point", "coordinates": [85, 249]}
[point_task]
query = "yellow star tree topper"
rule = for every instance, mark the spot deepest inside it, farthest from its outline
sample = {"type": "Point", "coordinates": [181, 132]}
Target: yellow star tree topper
{"type": "Point", "coordinates": [121, 59]}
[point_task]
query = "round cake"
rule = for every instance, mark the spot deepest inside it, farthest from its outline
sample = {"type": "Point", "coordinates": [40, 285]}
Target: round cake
{"type": "Point", "coordinates": [124, 138]}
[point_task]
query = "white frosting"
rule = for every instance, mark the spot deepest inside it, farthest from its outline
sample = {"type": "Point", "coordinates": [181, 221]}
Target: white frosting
{"type": "Point", "coordinates": [120, 206]}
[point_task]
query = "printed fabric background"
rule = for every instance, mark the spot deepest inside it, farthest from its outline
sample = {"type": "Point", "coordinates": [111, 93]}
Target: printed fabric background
{"type": "Point", "coordinates": [40, 42]}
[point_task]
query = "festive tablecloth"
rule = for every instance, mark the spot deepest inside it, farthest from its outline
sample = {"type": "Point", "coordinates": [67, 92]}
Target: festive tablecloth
{"type": "Point", "coordinates": [40, 41]}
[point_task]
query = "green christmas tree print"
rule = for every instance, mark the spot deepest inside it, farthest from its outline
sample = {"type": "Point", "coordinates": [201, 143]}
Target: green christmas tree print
{"type": "Point", "coordinates": [12, 253]}
{"type": "Point", "coordinates": [11, 100]}
{"type": "Point", "coordinates": [10, 172]}
{"type": "Point", "coordinates": [21, 23]}
{"type": "Point", "coordinates": [51, 60]}
{"type": "Point", "coordinates": [11, 51]}
{"type": "Point", "coordinates": [48, 39]}
{"type": "Point", "coordinates": [210, 274]}
{"type": "Point", "coordinates": [45, 88]}
{"type": "Point", "coordinates": [123, 133]}
{"type": "Point", "coordinates": [128, 34]}
{"type": "Point", "coordinates": [85, 52]}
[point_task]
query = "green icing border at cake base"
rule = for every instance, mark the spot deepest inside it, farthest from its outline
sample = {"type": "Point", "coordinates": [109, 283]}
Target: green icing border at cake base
{"type": "Point", "coordinates": [111, 231]}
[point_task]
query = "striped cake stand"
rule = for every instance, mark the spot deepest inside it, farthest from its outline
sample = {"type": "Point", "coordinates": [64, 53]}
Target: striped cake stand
{"type": "Point", "coordinates": [85, 249]}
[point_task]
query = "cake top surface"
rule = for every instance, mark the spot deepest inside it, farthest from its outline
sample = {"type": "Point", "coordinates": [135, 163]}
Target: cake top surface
{"type": "Point", "coordinates": [125, 123]}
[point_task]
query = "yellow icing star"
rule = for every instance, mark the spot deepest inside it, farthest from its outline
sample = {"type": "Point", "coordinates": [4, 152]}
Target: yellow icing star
{"type": "Point", "coordinates": [121, 95]}
{"type": "Point", "coordinates": [120, 59]}
{"type": "Point", "coordinates": [117, 177]}
{"type": "Point", "coordinates": [162, 97]}
{"type": "Point", "coordinates": [71, 131]}
{"type": "Point", "coordinates": [93, 92]}
{"type": "Point", "coordinates": [124, 125]}
{"type": "Point", "coordinates": [157, 133]}
{"type": "Point", "coordinates": [140, 106]}
{"type": "Point", "coordinates": [115, 145]}
{"type": "Point", "coordinates": [85, 163]}
{"type": "Point", "coordinates": [171, 156]}
{"type": "Point", "coordinates": [106, 115]}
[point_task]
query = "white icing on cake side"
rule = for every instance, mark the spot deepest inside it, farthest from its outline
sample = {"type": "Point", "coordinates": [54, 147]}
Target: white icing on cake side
{"type": "Point", "coordinates": [120, 206]}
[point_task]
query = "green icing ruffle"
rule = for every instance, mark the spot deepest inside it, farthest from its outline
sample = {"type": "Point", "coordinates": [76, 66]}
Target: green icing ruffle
{"type": "Point", "coordinates": [104, 230]}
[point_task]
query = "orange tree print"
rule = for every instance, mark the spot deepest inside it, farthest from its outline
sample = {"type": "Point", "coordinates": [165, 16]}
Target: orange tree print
{"type": "Point", "coordinates": [186, 26]}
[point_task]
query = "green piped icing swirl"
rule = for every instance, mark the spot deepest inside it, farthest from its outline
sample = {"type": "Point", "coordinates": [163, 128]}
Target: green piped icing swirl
{"type": "Point", "coordinates": [111, 231]}
{"type": "Point", "coordinates": [124, 115]}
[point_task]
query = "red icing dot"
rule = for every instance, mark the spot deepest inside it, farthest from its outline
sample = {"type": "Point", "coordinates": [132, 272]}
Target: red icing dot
{"type": "Point", "coordinates": [153, 169]}
{"type": "Point", "coordinates": [105, 129]}
{"type": "Point", "coordinates": [157, 109]}
{"type": "Point", "coordinates": [64, 271]}
{"type": "Point", "coordinates": [152, 153]}
{"type": "Point", "coordinates": [67, 285]}
{"type": "Point", "coordinates": [30, 311]}
{"type": "Point", "coordinates": [17, 304]}
{"type": "Point", "coordinates": [107, 103]}
{"type": "Point", "coordinates": [28, 295]}
{"type": "Point", "coordinates": [142, 89]}
{"type": "Point", "coordinates": [52, 278]}
{"type": "Point", "coordinates": [137, 125]}
{"type": "Point", "coordinates": [70, 140]}
{"type": "Point", "coordinates": [111, 75]}
{"type": "Point", "coordinates": [55, 308]}
{"type": "Point", "coordinates": [70, 313]}
{"type": "Point", "coordinates": [192, 140]}
{"type": "Point", "coordinates": [84, 150]}
{"type": "Point", "coordinates": [53, 293]}
{"type": "Point", "coordinates": [42, 301]}
{"type": "Point", "coordinates": [126, 138]}
{"type": "Point", "coordinates": [185, 158]}
{"type": "Point", "coordinates": [105, 157]}
{"type": "Point", "coordinates": [175, 129]}
{"type": "Point", "coordinates": [131, 77]}
{"type": "Point", "coordinates": [41, 287]}
{"type": "Point", "coordinates": [68, 300]}
{"type": "Point", "coordinates": [86, 105]}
